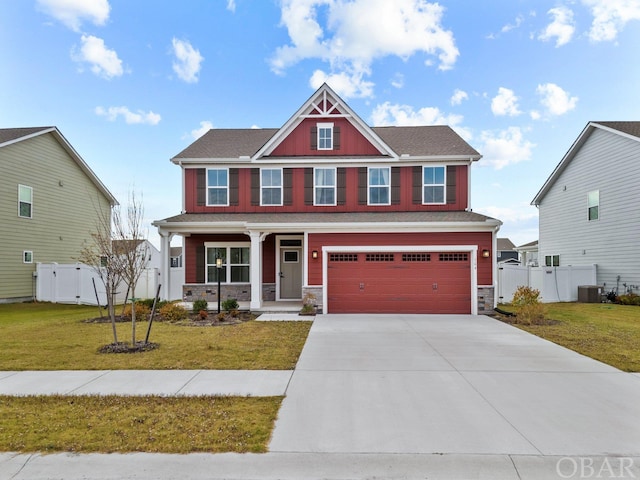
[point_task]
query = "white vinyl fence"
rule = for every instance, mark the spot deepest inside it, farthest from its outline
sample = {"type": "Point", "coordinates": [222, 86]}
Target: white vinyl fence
{"type": "Point", "coordinates": [556, 284]}
{"type": "Point", "coordinates": [74, 283]}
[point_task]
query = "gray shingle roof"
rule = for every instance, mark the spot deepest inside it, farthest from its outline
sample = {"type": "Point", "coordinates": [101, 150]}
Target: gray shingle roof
{"type": "Point", "coordinates": [9, 134]}
{"type": "Point", "coordinates": [330, 218]}
{"type": "Point", "coordinates": [431, 140]}
{"type": "Point", "coordinates": [630, 128]}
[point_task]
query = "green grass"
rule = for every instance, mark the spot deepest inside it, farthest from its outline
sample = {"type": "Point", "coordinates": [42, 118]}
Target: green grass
{"type": "Point", "coordinates": [136, 424]}
{"type": "Point", "coordinates": [43, 336]}
{"type": "Point", "coordinates": [606, 332]}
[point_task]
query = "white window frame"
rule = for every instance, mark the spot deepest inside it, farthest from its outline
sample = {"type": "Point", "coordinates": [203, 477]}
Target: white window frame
{"type": "Point", "coordinates": [30, 202]}
{"type": "Point", "coordinates": [27, 256]}
{"type": "Point", "coordinates": [550, 259]}
{"type": "Point", "coordinates": [325, 187]}
{"type": "Point", "coordinates": [271, 187]}
{"type": "Point", "coordinates": [227, 265]}
{"type": "Point", "coordinates": [369, 186]}
{"type": "Point", "coordinates": [218, 187]}
{"type": "Point", "coordinates": [595, 205]}
{"type": "Point", "coordinates": [443, 185]}
{"type": "Point", "coordinates": [321, 127]}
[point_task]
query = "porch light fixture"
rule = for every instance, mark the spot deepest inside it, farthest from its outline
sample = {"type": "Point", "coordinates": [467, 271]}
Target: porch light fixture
{"type": "Point", "coordinates": [219, 267]}
{"type": "Point", "coordinates": [486, 253]}
{"type": "Point", "coordinates": [314, 254]}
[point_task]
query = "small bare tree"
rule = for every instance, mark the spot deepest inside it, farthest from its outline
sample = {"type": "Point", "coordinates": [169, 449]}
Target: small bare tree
{"type": "Point", "coordinates": [131, 247]}
{"type": "Point", "coordinates": [99, 255]}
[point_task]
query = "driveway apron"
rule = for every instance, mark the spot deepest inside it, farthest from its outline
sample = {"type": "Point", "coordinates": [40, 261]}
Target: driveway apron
{"type": "Point", "coordinates": [458, 384]}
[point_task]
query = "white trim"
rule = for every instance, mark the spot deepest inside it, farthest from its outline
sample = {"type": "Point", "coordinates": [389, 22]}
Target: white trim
{"type": "Point", "coordinates": [30, 202]}
{"type": "Point", "coordinates": [335, 187]}
{"type": "Point", "coordinates": [377, 186]}
{"type": "Point", "coordinates": [24, 256]}
{"type": "Point", "coordinates": [207, 187]}
{"type": "Point", "coordinates": [471, 249]}
{"type": "Point", "coordinates": [301, 248]}
{"type": "Point", "coordinates": [262, 169]}
{"type": "Point", "coordinates": [325, 126]}
{"type": "Point", "coordinates": [228, 246]}
{"type": "Point", "coordinates": [444, 185]}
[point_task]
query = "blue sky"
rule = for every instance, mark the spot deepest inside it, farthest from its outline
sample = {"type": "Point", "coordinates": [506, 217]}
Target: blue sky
{"type": "Point", "coordinates": [132, 83]}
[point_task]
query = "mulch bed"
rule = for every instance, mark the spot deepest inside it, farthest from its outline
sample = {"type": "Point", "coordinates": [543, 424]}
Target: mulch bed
{"type": "Point", "coordinates": [122, 347]}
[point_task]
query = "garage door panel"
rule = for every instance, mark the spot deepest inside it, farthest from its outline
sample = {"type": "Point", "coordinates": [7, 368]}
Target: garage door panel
{"type": "Point", "coordinates": [399, 282]}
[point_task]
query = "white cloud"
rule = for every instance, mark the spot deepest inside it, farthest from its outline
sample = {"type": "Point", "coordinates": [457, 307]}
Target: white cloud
{"type": "Point", "coordinates": [205, 126]}
{"type": "Point", "coordinates": [505, 103]}
{"type": "Point", "coordinates": [188, 60]}
{"type": "Point", "coordinates": [458, 96]}
{"type": "Point", "coordinates": [73, 12]}
{"type": "Point", "coordinates": [231, 5]}
{"type": "Point", "coordinates": [555, 99]}
{"type": "Point", "coordinates": [112, 113]}
{"type": "Point", "coordinates": [104, 62]}
{"type": "Point", "coordinates": [610, 17]}
{"type": "Point", "coordinates": [358, 32]}
{"type": "Point", "coordinates": [511, 26]}
{"type": "Point", "coordinates": [505, 147]}
{"type": "Point", "coordinates": [347, 85]}
{"type": "Point", "coordinates": [561, 28]}
{"type": "Point", "coordinates": [397, 81]}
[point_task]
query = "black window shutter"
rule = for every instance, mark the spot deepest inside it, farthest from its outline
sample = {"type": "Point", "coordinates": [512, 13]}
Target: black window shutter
{"type": "Point", "coordinates": [451, 184]}
{"type": "Point", "coordinates": [287, 186]}
{"type": "Point", "coordinates": [342, 186]}
{"type": "Point", "coordinates": [336, 138]}
{"type": "Point", "coordinates": [255, 186]}
{"type": "Point", "coordinates": [363, 185]}
{"type": "Point", "coordinates": [417, 185]}
{"type": "Point", "coordinates": [201, 187]}
{"type": "Point", "coordinates": [233, 187]}
{"type": "Point", "coordinates": [308, 186]}
{"type": "Point", "coordinates": [200, 264]}
{"type": "Point", "coordinates": [314, 138]}
{"type": "Point", "coordinates": [395, 185]}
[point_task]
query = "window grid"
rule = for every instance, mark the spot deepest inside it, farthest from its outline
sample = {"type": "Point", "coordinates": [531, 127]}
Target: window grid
{"type": "Point", "coordinates": [218, 187]}
{"type": "Point", "coordinates": [271, 186]}
{"type": "Point", "coordinates": [25, 201]}
{"type": "Point", "coordinates": [434, 184]}
{"type": "Point", "coordinates": [343, 257]}
{"type": "Point", "coordinates": [235, 264]}
{"type": "Point", "coordinates": [379, 257]}
{"type": "Point", "coordinates": [379, 189]}
{"type": "Point", "coordinates": [453, 257]}
{"type": "Point", "coordinates": [416, 257]}
{"type": "Point", "coordinates": [325, 136]}
{"type": "Point", "coordinates": [324, 186]}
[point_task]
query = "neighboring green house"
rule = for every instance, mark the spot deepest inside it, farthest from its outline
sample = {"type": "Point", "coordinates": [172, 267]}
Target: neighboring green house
{"type": "Point", "coordinates": [49, 199]}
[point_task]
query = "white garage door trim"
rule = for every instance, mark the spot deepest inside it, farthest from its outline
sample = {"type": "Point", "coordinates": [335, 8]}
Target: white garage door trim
{"type": "Point", "coordinates": [472, 249]}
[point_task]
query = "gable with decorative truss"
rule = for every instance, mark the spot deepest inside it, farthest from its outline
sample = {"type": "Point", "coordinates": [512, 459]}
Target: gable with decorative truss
{"type": "Point", "coordinates": [325, 126]}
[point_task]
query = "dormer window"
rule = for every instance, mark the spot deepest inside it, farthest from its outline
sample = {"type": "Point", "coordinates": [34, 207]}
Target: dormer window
{"type": "Point", "coordinates": [325, 136]}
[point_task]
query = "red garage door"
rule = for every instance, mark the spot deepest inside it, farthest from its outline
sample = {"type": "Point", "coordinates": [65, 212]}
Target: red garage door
{"type": "Point", "coordinates": [397, 282]}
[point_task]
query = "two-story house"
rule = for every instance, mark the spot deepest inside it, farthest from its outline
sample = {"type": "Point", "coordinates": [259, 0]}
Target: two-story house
{"type": "Point", "coordinates": [49, 201]}
{"type": "Point", "coordinates": [366, 219]}
{"type": "Point", "coordinates": [588, 207]}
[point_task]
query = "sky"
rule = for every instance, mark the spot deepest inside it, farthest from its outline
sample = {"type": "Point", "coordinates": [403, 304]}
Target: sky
{"type": "Point", "coordinates": [132, 83]}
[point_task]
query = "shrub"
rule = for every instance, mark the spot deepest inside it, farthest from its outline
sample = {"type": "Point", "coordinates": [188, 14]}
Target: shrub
{"type": "Point", "coordinates": [527, 304]}
{"type": "Point", "coordinates": [142, 310]}
{"type": "Point", "coordinates": [230, 304]}
{"type": "Point", "coordinates": [203, 314]}
{"type": "Point", "coordinates": [200, 304]}
{"type": "Point", "coordinates": [149, 303]}
{"type": "Point", "coordinates": [628, 299]}
{"type": "Point", "coordinates": [172, 312]}
{"type": "Point", "coordinates": [221, 317]}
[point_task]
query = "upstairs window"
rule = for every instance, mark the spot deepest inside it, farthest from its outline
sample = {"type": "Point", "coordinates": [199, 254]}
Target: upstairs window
{"type": "Point", "coordinates": [25, 201]}
{"type": "Point", "coordinates": [218, 187]}
{"type": "Point", "coordinates": [324, 186]}
{"type": "Point", "coordinates": [271, 186]}
{"type": "Point", "coordinates": [593, 199]}
{"type": "Point", "coordinates": [379, 186]}
{"type": "Point", "coordinates": [433, 185]}
{"type": "Point", "coordinates": [325, 136]}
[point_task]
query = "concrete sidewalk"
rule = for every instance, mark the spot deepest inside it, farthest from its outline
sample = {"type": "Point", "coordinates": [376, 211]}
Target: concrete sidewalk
{"type": "Point", "coordinates": [255, 383]}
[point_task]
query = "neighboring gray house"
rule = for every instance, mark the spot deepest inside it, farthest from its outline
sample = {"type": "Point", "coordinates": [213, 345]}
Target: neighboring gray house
{"type": "Point", "coordinates": [528, 254]}
{"type": "Point", "coordinates": [505, 250]}
{"type": "Point", "coordinates": [590, 206]}
{"type": "Point", "coordinates": [48, 202]}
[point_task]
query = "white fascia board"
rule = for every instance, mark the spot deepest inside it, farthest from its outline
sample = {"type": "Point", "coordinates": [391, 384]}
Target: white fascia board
{"type": "Point", "coordinates": [204, 162]}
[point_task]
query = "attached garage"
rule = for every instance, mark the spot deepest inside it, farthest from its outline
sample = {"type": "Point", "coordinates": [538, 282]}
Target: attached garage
{"type": "Point", "coordinates": [401, 281]}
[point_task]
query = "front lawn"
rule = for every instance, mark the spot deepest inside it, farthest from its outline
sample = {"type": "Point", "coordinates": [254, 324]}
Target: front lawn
{"type": "Point", "coordinates": [604, 331]}
{"type": "Point", "coordinates": [44, 336]}
{"type": "Point", "coordinates": [136, 424]}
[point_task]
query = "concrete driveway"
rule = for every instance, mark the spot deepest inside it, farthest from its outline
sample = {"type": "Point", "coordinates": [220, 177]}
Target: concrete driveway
{"type": "Point", "coordinates": [452, 384]}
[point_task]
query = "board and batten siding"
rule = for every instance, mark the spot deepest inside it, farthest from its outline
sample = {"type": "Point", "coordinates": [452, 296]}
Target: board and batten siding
{"type": "Point", "coordinates": [608, 163]}
{"type": "Point", "coordinates": [65, 202]}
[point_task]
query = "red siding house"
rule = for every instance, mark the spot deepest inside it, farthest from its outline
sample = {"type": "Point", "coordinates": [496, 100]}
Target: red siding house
{"type": "Point", "coordinates": [363, 219]}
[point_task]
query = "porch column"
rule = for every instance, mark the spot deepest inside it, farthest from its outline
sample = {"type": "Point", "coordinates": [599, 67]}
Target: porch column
{"type": "Point", "coordinates": [165, 265]}
{"type": "Point", "coordinates": [256, 269]}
